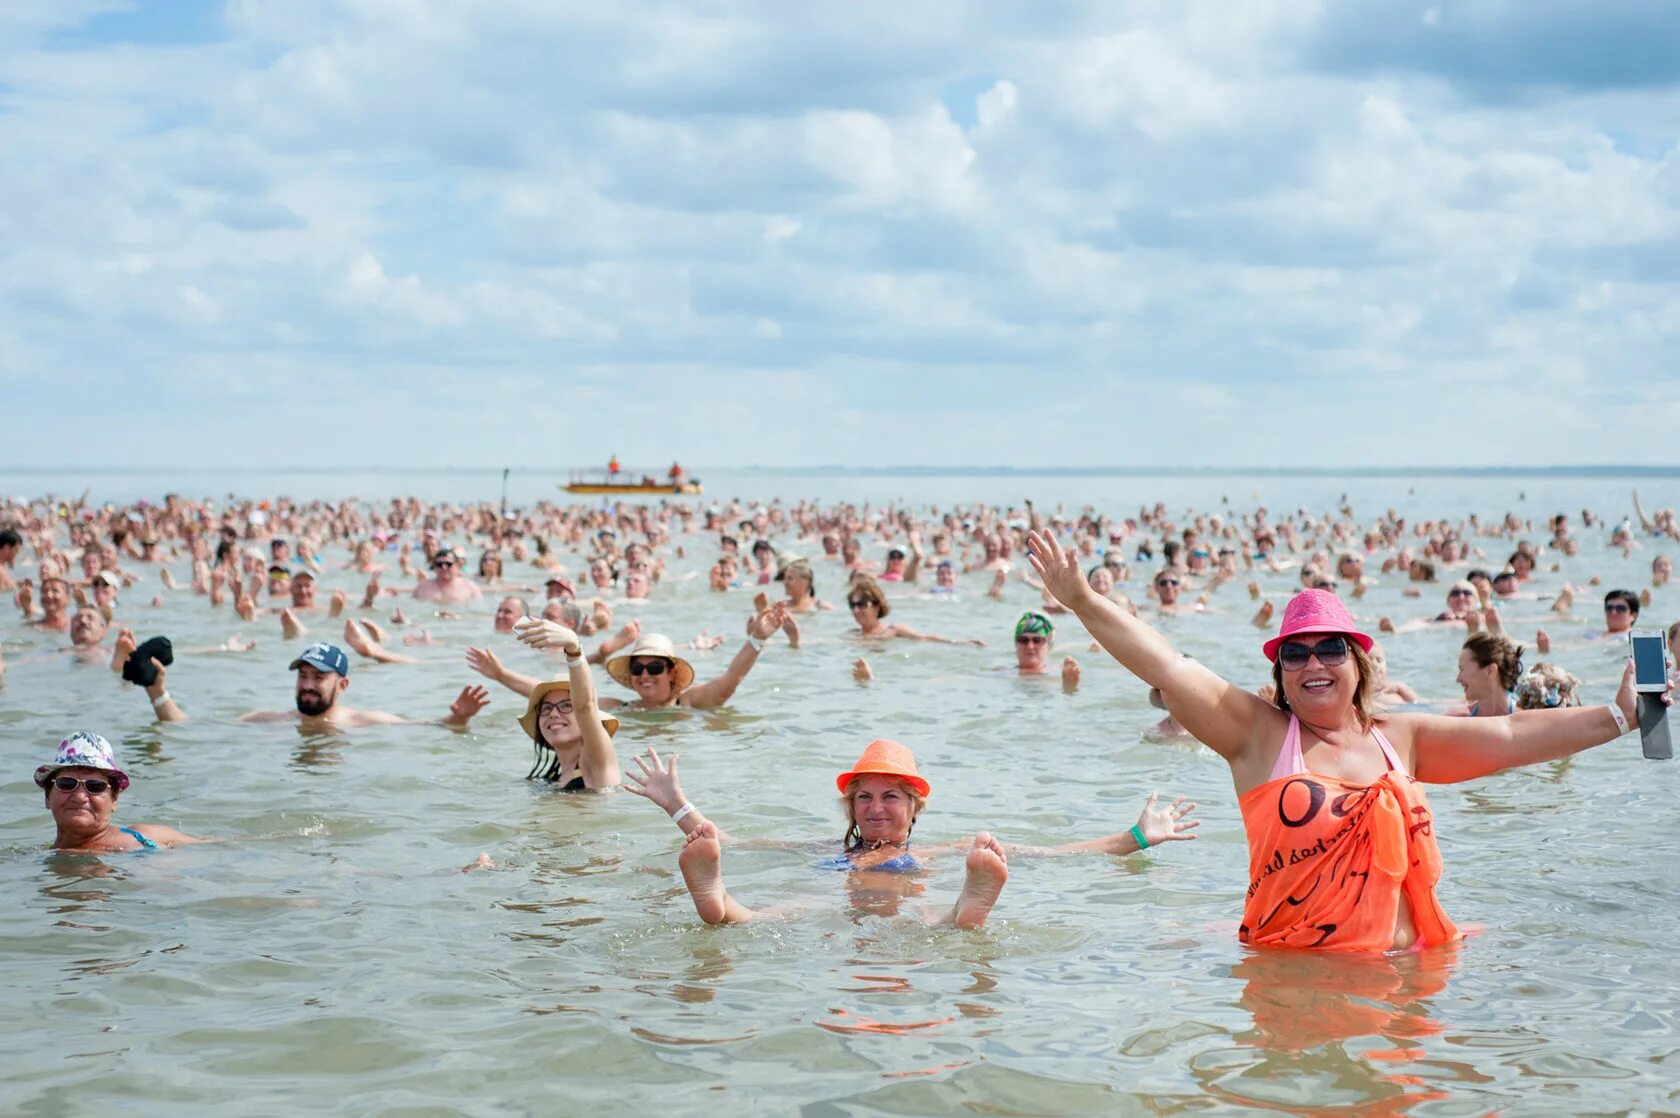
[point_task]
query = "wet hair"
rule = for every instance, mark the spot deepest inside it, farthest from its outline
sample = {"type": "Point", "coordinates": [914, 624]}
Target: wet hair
{"type": "Point", "coordinates": [853, 839]}
{"type": "Point", "coordinates": [1364, 693]}
{"type": "Point", "coordinates": [799, 568]}
{"type": "Point", "coordinates": [865, 587]}
{"type": "Point", "coordinates": [1546, 686]}
{"type": "Point", "coordinates": [1423, 567]}
{"type": "Point", "coordinates": [1627, 596]}
{"type": "Point", "coordinates": [9, 538]}
{"type": "Point", "coordinates": [1477, 572]}
{"type": "Point", "coordinates": [1494, 649]}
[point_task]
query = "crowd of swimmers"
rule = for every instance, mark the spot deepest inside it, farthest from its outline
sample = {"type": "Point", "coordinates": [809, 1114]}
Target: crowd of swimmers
{"type": "Point", "coordinates": [1329, 758]}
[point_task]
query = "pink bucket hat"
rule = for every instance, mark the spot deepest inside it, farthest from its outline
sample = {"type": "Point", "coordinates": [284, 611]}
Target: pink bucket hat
{"type": "Point", "coordinates": [83, 749]}
{"type": "Point", "coordinates": [1314, 611]}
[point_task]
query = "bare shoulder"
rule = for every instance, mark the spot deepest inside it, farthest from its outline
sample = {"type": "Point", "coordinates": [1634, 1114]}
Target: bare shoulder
{"type": "Point", "coordinates": [269, 716]}
{"type": "Point", "coordinates": [370, 718]}
{"type": "Point", "coordinates": [157, 832]}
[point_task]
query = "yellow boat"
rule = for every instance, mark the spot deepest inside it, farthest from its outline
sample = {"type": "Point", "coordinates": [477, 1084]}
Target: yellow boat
{"type": "Point", "coordinates": [629, 483]}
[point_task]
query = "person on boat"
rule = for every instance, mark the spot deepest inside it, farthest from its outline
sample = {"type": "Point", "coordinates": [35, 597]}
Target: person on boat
{"type": "Point", "coordinates": [882, 796]}
{"type": "Point", "coordinates": [82, 782]}
{"type": "Point", "coordinates": [676, 474]}
{"type": "Point", "coordinates": [1342, 851]}
{"type": "Point", "coordinates": [612, 467]}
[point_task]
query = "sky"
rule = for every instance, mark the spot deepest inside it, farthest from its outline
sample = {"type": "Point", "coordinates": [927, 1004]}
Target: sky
{"type": "Point", "coordinates": [1162, 233]}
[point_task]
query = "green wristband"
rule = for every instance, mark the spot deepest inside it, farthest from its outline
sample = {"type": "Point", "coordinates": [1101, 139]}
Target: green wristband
{"type": "Point", "coordinates": [1137, 836]}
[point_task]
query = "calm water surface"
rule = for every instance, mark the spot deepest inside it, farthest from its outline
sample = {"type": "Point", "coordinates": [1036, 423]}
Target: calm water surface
{"type": "Point", "coordinates": [329, 956]}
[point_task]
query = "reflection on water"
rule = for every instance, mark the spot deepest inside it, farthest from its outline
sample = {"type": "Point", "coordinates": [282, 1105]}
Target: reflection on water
{"type": "Point", "coordinates": [330, 953]}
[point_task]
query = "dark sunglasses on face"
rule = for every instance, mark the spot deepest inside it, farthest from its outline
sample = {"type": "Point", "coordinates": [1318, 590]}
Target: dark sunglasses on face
{"type": "Point", "coordinates": [1332, 652]}
{"type": "Point", "coordinates": [93, 784]}
{"type": "Point", "coordinates": [442, 563]}
{"type": "Point", "coordinates": [647, 667]}
{"type": "Point", "coordinates": [1461, 593]}
{"type": "Point", "coordinates": [1024, 639]}
{"type": "Point", "coordinates": [859, 603]}
{"type": "Point", "coordinates": [1615, 607]}
{"type": "Point", "coordinates": [1166, 582]}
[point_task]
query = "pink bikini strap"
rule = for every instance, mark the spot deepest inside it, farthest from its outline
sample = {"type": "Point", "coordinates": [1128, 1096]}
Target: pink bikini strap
{"type": "Point", "coordinates": [1388, 751]}
{"type": "Point", "coordinates": [1289, 761]}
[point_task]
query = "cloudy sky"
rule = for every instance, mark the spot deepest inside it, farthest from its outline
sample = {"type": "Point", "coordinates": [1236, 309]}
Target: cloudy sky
{"type": "Point", "coordinates": [528, 231]}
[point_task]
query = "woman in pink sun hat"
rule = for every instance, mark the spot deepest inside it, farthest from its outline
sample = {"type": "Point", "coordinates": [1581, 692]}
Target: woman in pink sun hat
{"type": "Point", "coordinates": [1342, 852]}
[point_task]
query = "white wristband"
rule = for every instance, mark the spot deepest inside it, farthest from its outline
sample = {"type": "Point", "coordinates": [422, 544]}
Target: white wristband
{"type": "Point", "coordinates": [677, 816]}
{"type": "Point", "coordinates": [574, 661]}
{"type": "Point", "coordinates": [757, 643]}
{"type": "Point", "coordinates": [1621, 719]}
{"type": "Point", "coordinates": [160, 700]}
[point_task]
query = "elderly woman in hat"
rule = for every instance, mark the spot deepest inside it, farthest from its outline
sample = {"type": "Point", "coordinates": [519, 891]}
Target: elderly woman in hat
{"type": "Point", "coordinates": [882, 795]}
{"type": "Point", "coordinates": [661, 678]}
{"type": "Point", "coordinates": [81, 783]}
{"type": "Point", "coordinates": [1342, 851]}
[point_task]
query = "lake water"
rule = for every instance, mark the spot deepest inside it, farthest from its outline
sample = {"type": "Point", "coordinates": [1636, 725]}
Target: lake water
{"type": "Point", "coordinates": [329, 957]}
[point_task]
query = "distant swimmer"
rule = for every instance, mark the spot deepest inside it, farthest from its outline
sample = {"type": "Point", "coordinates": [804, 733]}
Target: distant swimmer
{"type": "Point", "coordinates": [869, 607]}
{"type": "Point", "coordinates": [882, 795]}
{"type": "Point", "coordinates": [447, 586]}
{"type": "Point", "coordinates": [1034, 636]}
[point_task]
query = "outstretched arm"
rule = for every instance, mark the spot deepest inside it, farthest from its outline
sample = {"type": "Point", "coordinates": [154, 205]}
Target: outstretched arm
{"type": "Point", "coordinates": [162, 705]}
{"type": "Point", "coordinates": [469, 702]}
{"type": "Point", "coordinates": [1155, 825]}
{"type": "Point", "coordinates": [1447, 750]}
{"type": "Point", "coordinates": [486, 664]}
{"type": "Point", "coordinates": [1229, 720]}
{"type": "Point", "coordinates": [716, 692]}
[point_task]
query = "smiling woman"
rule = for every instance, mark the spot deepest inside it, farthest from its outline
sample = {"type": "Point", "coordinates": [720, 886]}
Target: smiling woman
{"type": "Point", "coordinates": [82, 783]}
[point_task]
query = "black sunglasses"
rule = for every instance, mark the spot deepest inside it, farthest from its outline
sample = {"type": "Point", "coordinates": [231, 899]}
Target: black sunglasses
{"type": "Point", "coordinates": [1615, 607]}
{"type": "Point", "coordinates": [647, 667]}
{"type": "Point", "coordinates": [1166, 582]}
{"type": "Point", "coordinates": [1332, 652]}
{"type": "Point", "coordinates": [859, 603]}
{"type": "Point", "coordinates": [93, 784]}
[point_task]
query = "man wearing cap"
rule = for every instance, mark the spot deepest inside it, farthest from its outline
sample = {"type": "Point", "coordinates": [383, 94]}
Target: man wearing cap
{"type": "Point", "coordinates": [323, 674]}
{"type": "Point", "coordinates": [559, 586]}
{"type": "Point", "coordinates": [447, 586]}
{"type": "Point", "coordinates": [105, 587]}
{"type": "Point", "coordinates": [82, 783]}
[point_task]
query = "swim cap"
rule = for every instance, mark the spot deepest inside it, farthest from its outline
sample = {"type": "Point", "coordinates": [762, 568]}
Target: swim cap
{"type": "Point", "coordinates": [1033, 623]}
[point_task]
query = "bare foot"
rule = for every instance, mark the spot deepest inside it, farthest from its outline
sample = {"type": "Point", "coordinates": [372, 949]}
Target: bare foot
{"type": "Point", "coordinates": [704, 876]}
{"type": "Point", "coordinates": [1542, 642]}
{"type": "Point", "coordinates": [986, 875]}
{"type": "Point", "coordinates": [1070, 674]}
{"type": "Point", "coordinates": [483, 862]}
{"type": "Point", "coordinates": [861, 671]}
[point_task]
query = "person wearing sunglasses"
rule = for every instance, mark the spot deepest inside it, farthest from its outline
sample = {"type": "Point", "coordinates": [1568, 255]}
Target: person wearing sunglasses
{"type": "Point", "coordinates": [1621, 610]}
{"type": "Point", "coordinates": [1034, 636]}
{"type": "Point", "coordinates": [1342, 850]}
{"type": "Point", "coordinates": [662, 679]}
{"type": "Point", "coordinates": [447, 586]}
{"type": "Point", "coordinates": [868, 603]}
{"type": "Point", "coordinates": [81, 783]}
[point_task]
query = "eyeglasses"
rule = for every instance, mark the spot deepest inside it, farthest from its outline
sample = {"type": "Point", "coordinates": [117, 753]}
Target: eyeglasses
{"type": "Point", "coordinates": [564, 706]}
{"type": "Point", "coordinates": [1461, 593]}
{"type": "Point", "coordinates": [1332, 652]}
{"type": "Point", "coordinates": [1166, 582]}
{"type": "Point", "coordinates": [1616, 607]}
{"type": "Point", "coordinates": [438, 563]}
{"type": "Point", "coordinates": [1025, 639]}
{"type": "Point", "coordinates": [859, 603]}
{"type": "Point", "coordinates": [93, 784]}
{"type": "Point", "coordinates": [647, 667]}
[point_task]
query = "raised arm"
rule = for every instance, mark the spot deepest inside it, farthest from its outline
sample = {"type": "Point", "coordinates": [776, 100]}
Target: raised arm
{"type": "Point", "coordinates": [486, 664]}
{"type": "Point", "coordinates": [162, 705]}
{"type": "Point", "coordinates": [657, 781]}
{"type": "Point", "coordinates": [1230, 721]}
{"type": "Point", "coordinates": [1447, 750]}
{"type": "Point", "coordinates": [716, 692]}
{"type": "Point", "coordinates": [600, 762]}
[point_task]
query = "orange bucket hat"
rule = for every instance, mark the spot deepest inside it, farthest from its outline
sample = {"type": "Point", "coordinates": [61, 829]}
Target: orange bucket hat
{"type": "Point", "coordinates": [885, 758]}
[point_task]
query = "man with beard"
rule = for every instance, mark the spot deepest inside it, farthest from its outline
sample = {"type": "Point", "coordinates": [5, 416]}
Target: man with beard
{"type": "Point", "coordinates": [323, 674]}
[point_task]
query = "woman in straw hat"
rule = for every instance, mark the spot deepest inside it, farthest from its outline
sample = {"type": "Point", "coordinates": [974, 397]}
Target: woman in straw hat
{"type": "Point", "coordinates": [572, 738]}
{"type": "Point", "coordinates": [662, 679]}
{"type": "Point", "coordinates": [1342, 851]}
{"type": "Point", "coordinates": [882, 796]}
{"type": "Point", "coordinates": [81, 783]}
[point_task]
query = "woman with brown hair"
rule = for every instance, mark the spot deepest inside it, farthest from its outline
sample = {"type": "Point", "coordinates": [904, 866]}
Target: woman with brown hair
{"type": "Point", "coordinates": [869, 609]}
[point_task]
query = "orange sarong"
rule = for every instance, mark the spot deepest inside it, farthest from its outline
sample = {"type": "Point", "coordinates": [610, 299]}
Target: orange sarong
{"type": "Point", "coordinates": [1328, 862]}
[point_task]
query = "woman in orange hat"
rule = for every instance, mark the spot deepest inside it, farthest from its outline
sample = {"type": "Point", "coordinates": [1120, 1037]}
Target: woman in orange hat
{"type": "Point", "coordinates": [882, 796]}
{"type": "Point", "coordinates": [1342, 851]}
